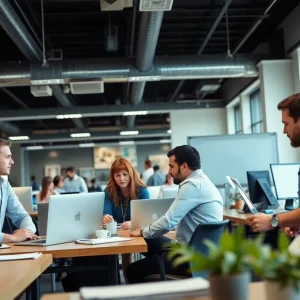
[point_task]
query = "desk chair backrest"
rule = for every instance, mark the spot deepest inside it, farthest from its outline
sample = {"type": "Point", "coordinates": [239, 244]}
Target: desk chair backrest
{"type": "Point", "coordinates": [153, 191]}
{"type": "Point", "coordinates": [208, 231]}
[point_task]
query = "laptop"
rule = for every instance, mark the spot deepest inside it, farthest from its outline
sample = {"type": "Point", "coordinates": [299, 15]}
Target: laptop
{"type": "Point", "coordinates": [147, 211]}
{"type": "Point", "coordinates": [236, 185]}
{"type": "Point", "coordinates": [25, 196]}
{"type": "Point", "coordinates": [43, 218]}
{"type": "Point", "coordinates": [71, 217]}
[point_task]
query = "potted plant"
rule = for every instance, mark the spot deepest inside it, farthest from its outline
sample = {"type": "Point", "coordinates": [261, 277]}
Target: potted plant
{"type": "Point", "coordinates": [280, 269]}
{"type": "Point", "coordinates": [228, 263]}
{"type": "Point", "coordinates": [238, 200]}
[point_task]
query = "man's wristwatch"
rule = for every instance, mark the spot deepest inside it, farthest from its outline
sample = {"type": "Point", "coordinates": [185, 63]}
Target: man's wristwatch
{"type": "Point", "coordinates": [141, 231]}
{"type": "Point", "coordinates": [274, 221]}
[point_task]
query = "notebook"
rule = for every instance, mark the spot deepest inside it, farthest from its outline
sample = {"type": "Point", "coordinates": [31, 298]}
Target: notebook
{"type": "Point", "coordinates": [156, 290]}
{"type": "Point", "coordinates": [102, 241]}
{"type": "Point", "coordinates": [34, 255]}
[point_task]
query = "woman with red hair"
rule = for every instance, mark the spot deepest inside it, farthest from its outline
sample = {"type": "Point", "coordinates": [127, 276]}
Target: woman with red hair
{"type": "Point", "coordinates": [124, 185]}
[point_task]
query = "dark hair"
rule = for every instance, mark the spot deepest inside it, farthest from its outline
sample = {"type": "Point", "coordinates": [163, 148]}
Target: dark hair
{"type": "Point", "coordinates": [70, 169]}
{"type": "Point", "coordinates": [148, 163]}
{"type": "Point", "coordinates": [32, 177]}
{"type": "Point", "coordinates": [186, 154]}
{"type": "Point", "coordinates": [93, 180]}
{"type": "Point", "coordinates": [156, 168]}
{"type": "Point", "coordinates": [57, 179]}
{"type": "Point", "coordinates": [292, 103]}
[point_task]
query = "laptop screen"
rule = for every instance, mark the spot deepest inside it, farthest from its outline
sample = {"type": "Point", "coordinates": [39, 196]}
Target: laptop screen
{"type": "Point", "coordinates": [236, 185]}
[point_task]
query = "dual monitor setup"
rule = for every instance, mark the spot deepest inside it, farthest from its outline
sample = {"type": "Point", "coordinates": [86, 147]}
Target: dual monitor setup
{"type": "Point", "coordinates": [285, 178]}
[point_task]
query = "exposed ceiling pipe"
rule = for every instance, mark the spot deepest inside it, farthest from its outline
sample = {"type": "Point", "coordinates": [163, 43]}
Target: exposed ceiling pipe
{"type": "Point", "coordinates": [16, 30]}
{"type": "Point", "coordinates": [204, 44]}
{"type": "Point", "coordinates": [9, 128]}
{"type": "Point", "coordinates": [123, 70]}
{"type": "Point", "coordinates": [146, 46]}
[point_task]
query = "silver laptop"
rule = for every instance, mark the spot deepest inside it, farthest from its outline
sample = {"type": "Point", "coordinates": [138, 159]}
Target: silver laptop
{"type": "Point", "coordinates": [146, 212]}
{"type": "Point", "coordinates": [71, 217]}
{"type": "Point", "coordinates": [170, 192]}
{"type": "Point", "coordinates": [25, 196]}
{"type": "Point", "coordinates": [43, 218]}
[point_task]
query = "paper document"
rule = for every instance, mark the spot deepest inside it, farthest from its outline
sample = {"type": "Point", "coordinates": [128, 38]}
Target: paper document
{"type": "Point", "coordinates": [102, 241]}
{"type": "Point", "coordinates": [160, 290]}
{"type": "Point", "coordinates": [34, 255]}
{"type": "Point", "coordinates": [4, 246]}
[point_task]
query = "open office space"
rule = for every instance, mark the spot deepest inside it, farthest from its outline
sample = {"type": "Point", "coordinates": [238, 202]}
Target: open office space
{"type": "Point", "coordinates": [106, 90]}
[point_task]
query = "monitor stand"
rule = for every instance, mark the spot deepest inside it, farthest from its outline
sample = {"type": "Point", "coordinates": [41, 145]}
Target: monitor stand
{"type": "Point", "coordinates": [289, 204]}
{"type": "Point", "coordinates": [265, 186]}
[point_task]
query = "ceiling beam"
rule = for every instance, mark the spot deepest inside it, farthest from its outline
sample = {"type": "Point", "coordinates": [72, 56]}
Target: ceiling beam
{"type": "Point", "coordinates": [107, 110]}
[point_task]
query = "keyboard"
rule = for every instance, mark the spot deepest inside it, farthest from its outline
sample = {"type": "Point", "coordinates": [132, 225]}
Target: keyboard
{"type": "Point", "coordinates": [38, 243]}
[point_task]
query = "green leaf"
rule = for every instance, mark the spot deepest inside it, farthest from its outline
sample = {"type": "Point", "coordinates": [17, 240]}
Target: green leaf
{"type": "Point", "coordinates": [283, 242]}
{"type": "Point", "coordinates": [228, 262]}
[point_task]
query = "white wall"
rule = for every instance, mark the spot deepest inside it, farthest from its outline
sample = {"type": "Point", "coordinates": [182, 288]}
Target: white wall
{"type": "Point", "coordinates": [276, 78]}
{"type": "Point", "coordinates": [200, 122]}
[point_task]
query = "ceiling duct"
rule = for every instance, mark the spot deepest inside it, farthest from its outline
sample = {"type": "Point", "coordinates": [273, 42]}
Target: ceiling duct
{"type": "Point", "coordinates": [87, 87]}
{"type": "Point", "coordinates": [156, 5]}
{"type": "Point", "coordinates": [110, 5]}
{"type": "Point", "coordinates": [41, 90]}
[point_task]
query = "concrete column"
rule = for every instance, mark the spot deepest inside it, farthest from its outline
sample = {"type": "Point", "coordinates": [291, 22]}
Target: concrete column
{"type": "Point", "coordinates": [296, 70]}
{"type": "Point", "coordinates": [276, 81]}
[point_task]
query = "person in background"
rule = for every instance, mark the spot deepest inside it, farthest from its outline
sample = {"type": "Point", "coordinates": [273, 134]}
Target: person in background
{"type": "Point", "coordinates": [157, 178]}
{"type": "Point", "coordinates": [124, 185]}
{"type": "Point", "coordinates": [148, 171]}
{"type": "Point", "coordinates": [94, 186]}
{"type": "Point", "coordinates": [86, 182]}
{"type": "Point", "coordinates": [169, 184]}
{"type": "Point", "coordinates": [34, 185]}
{"type": "Point", "coordinates": [10, 204]}
{"type": "Point", "coordinates": [74, 183]}
{"type": "Point", "coordinates": [47, 190]}
{"type": "Point", "coordinates": [198, 202]}
{"type": "Point", "coordinates": [58, 182]}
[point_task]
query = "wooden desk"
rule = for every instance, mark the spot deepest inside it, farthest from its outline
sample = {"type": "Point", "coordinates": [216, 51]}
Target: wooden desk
{"type": "Point", "coordinates": [256, 292]}
{"type": "Point", "coordinates": [233, 216]}
{"type": "Point", "coordinates": [17, 275]}
{"type": "Point", "coordinates": [33, 214]}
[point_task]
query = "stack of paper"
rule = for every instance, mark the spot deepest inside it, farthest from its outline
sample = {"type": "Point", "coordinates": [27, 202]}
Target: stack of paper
{"type": "Point", "coordinates": [156, 290]}
{"type": "Point", "coordinates": [34, 255]}
{"type": "Point", "coordinates": [103, 241]}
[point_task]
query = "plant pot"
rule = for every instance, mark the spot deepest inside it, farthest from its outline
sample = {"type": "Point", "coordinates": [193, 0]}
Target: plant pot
{"type": "Point", "coordinates": [230, 287]}
{"type": "Point", "coordinates": [239, 204]}
{"type": "Point", "coordinates": [275, 292]}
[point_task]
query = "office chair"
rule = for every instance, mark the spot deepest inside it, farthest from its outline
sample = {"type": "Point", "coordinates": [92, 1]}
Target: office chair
{"type": "Point", "coordinates": [208, 231]}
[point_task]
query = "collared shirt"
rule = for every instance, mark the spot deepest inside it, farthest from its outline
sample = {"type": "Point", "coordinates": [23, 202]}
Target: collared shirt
{"type": "Point", "coordinates": [77, 184]}
{"type": "Point", "coordinates": [198, 201]}
{"type": "Point", "coordinates": [146, 174]}
{"type": "Point", "coordinates": [13, 208]}
{"type": "Point", "coordinates": [156, 179]}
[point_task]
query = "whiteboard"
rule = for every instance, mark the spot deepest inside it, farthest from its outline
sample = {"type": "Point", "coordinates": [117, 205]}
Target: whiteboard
{"type": "Point", "coordinates": [234, 155]}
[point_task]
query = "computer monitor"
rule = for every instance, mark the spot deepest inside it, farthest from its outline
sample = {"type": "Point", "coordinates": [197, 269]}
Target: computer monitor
{"type": "Point", "coordinates": [259, 185]}
{"type": "Point", "coordinates": [25, 196]}
{"type": "Point", "coordinates": [285, 177]}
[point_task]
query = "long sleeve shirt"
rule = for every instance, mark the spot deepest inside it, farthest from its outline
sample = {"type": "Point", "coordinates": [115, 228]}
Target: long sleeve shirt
{"type": "Point", "coordinates": [77, 184]}
{"type": "Point", "coordinates": [13, 208]}
{"type": "Point", "coordinates": [116, 212]}
{"type": "Point", "coordinates": [198, 201]}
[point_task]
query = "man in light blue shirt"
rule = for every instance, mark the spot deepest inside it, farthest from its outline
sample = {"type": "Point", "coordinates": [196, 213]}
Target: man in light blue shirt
{"type": "Point", "coordinates": [198, 201]}
{"type": "Point", "coordinates": [74, 183]}
{"type": "Point", "coordinates": [157, 178]}
{"type": "Point", "coordinates": [10, 204]}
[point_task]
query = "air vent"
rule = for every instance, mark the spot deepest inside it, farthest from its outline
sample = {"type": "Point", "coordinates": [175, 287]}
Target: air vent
{"type": "Point", "coordinates": [87, 87]}
{"type": "Point", "coordinates": [156, 5]}
{"type": "Point", "coordinates": [41, 90]}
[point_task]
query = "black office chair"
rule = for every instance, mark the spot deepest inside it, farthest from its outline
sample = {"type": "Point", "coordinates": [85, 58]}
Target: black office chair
{"type": "Point", "coordinates": [208, 231]}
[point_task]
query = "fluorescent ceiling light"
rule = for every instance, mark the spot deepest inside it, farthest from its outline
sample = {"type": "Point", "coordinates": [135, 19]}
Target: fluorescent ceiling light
{"type": "Point", "coordinates": [169, 131]}
{"type": "Point", "coordinates": [135, 113]}
{"type": "Point", "coordinates": [74, 116]}
{"type": "Point", "coordinates": [87, 145]}
{"type": "Point", "coordinates": [34, 147]}
{"type": "Point", "coordinates": [79, 135]}
{"type": "Point", "coordinates": [210, 88]}
{"type": "Point", "coordinates": [134, 132]}
{"type": "Point", "coordinates": [126, 143]}
{"type": "Point", "coordinates": [165, 141]}
{"type": "Point", "coordinates": [19, 138]}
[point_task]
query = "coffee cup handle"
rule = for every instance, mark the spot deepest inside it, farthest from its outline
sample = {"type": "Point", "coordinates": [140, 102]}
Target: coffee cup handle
{"type": "Point", "coordinates": [108, 233]}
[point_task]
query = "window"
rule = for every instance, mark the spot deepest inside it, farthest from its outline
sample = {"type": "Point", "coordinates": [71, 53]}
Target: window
{"type": "Point", "coordinates": [237, 119]}
{"type": "Point", "coordinates": [256, 114]}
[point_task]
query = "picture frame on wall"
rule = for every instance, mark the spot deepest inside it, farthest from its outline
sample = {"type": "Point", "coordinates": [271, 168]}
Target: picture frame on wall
{"type": "Point", "coordinates": [88, 173]}
{"type": "Point", "coordinates": [52, 170]}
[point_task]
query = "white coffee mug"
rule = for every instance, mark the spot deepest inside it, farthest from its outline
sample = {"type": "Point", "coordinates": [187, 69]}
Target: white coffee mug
{"type": "Point", "coordinates": [112, 227]}
{"type": "Point", "coordinates": [103, 234]}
